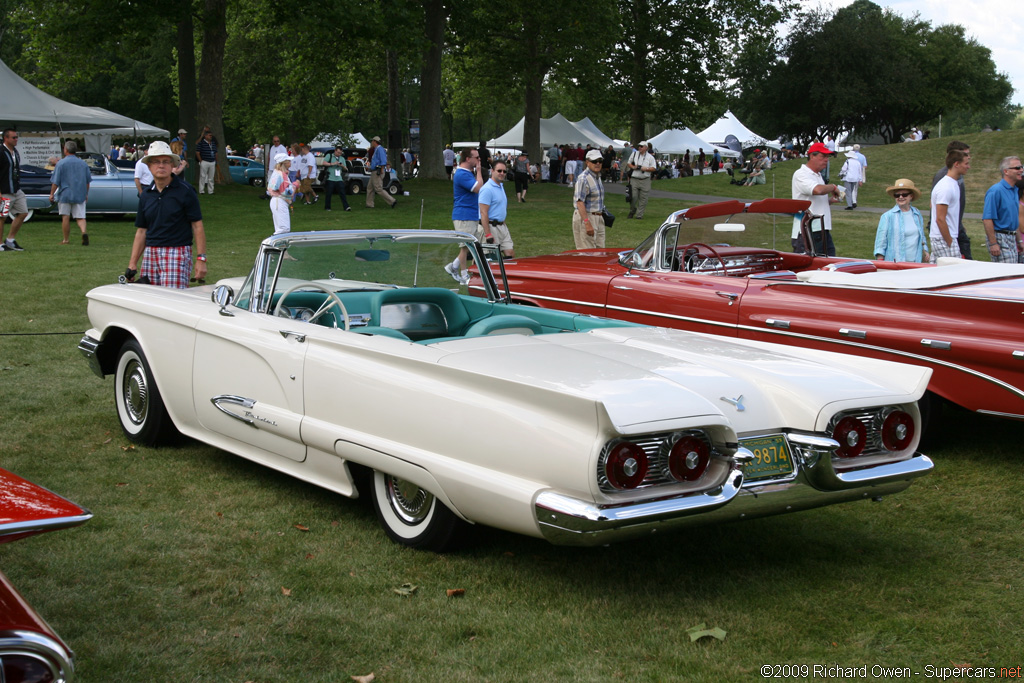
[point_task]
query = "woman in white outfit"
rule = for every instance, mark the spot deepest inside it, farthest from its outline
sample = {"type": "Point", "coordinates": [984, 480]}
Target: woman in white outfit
{"type": "Point", "coordinates": [282, 192]}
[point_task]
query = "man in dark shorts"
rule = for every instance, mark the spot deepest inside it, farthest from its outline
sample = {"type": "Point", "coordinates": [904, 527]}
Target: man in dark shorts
{"type": "Point", "coordinates": [168, 220]}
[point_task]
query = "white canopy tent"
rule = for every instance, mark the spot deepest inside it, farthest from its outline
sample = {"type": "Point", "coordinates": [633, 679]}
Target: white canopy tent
{"type": "Point", "coordinates": [556, 130]}
{"type": "Point", "coordinates": [327, 139]}
{"type": "Point", "coordinates": [26, 107]}
{"type": "Point", "coordinates": [730, 125]}
{"type": "Point", "coordinates": [588, 127]}
{"type": "Point", "coordinates": [100, 139]}
{"type": "Point", "coordinates": [683, 140]}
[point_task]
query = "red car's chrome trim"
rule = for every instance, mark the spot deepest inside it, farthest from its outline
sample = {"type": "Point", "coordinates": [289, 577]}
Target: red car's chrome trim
{"type": "Point", "coordinates": [27, 508]}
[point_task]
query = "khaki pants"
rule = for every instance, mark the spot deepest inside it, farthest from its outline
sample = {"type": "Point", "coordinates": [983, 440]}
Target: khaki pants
{"type": "Point", "coordinates": [641, 188]}
{"type": "Point", "coordinates": [579, 231]}
{"type": "Point", "coordinates": [376, 186]}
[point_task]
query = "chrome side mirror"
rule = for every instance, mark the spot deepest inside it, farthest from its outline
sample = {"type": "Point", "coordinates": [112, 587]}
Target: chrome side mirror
{"type": "Point", "coordinates": [223, 295]}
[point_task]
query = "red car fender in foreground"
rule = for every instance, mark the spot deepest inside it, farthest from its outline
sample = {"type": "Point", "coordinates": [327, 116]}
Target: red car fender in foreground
{"type": "Point", "coordinates": [30, 651]}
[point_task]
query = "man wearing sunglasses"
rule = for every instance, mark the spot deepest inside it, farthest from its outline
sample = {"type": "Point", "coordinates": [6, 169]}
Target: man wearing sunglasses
{"type": "Point", "coordinates": [1001, 213]}
{"type": "Point", "coordinates": [494, 208]}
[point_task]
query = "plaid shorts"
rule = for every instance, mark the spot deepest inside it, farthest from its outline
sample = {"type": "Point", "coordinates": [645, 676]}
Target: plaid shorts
{"type": "Point", "coordinates": [167, 266]}
{"type": "Point", "coordinates": [940, 249]}
{"type": "Point", "coordinates": [1007, 242]}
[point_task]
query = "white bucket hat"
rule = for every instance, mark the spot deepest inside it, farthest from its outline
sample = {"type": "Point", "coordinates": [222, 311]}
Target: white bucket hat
{"type": "Point", "coordinates": [159, 149]}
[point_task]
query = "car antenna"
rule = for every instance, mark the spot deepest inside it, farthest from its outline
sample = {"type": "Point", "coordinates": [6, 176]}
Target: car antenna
{"type": "Point", "coordinates": [421, 214]}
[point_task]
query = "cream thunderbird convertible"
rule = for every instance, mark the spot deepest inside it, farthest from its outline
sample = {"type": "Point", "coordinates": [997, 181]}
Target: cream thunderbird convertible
{"type": "Point", "coordinates": [451, 411]}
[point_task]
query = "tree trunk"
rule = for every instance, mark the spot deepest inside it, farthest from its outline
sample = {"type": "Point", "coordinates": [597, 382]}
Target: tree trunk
{"type": "Point", "coordinates": [211, 78]}
{"type": "Point", "coordinates": [394, 141]}
{"type": "Point", "coordinates": [186, 76]}
{"type": "Point", "coordinates": [534, 83]}
{"type": "Point", "coordinates": [431, 164]}
{"type": "Point", "coordinates": [638, 95]}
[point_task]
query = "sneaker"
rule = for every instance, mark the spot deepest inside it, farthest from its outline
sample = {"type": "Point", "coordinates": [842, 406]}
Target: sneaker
{"type": "Point", "coordinates": [11, 245]}
{"type": "Point", "coordinates": [464, 279]}
{"type": "Point", "coordinates": [394, 204]}
{"type": "Point", "coordinates": [348, 208]}
{"type": "Point", "coordinates": [85, 239]}
{"type": "Point", "coordinates": [3, 247]}
{"type": "Point", "coordinates": [453, 270]}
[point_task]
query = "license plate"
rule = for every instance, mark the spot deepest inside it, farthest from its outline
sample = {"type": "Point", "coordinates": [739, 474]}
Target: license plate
{"type": "Point", "coordinates": [772, 458]}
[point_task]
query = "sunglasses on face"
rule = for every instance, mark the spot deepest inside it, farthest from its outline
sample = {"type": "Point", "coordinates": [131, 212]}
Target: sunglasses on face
{"type": "Point", "coordinates": [500, 170]}
{"type": "Point", "coordinates": [1015, 168]}
{"type": "Point", "coordinates": [901, 195]}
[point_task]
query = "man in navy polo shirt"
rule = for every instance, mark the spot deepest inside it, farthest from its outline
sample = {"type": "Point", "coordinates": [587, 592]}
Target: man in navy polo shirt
{"type": "Point", "coordinates": [168, 220]}
{"type": "Point", "coordinates": [1001, 213]}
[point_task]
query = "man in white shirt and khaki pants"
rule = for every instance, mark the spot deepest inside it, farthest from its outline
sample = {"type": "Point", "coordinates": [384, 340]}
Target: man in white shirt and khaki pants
{"type": "Point", "coordinates": [643, 166]}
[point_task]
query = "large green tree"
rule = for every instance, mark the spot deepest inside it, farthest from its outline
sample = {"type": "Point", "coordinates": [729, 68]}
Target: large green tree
{"type": "Point", "coordinates": [870, 70]}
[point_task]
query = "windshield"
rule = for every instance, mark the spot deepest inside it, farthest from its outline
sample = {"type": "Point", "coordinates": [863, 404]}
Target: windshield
{"type": "Point", "coordinates": [368, 262]}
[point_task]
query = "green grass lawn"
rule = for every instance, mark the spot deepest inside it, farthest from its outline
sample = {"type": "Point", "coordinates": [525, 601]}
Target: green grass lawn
{"type": "Point", "coordinates": [193, 568]}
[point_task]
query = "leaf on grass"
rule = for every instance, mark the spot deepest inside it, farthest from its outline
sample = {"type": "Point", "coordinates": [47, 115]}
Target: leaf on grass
{"type": "Point", "coordinates": [286, 591]}
{"type": "Point", "coordinates": [129, 447]}
{"type": "Point", "coordinates": [455, 592]}
{"type": "Point", "coordinates": [121, 483]}
{"type": "Point", "coordinates": [300, 527]}
{"type": "Point", "coordinates": [310, 556]}
{"type": "Point", "coordinates": [368, 678]}
{"type": "Point", "coordinates": [108, 440]}
{"type": "Point", "coordinates": [702, 631]}
{"type": "Point", "coordinates": [406, 590]}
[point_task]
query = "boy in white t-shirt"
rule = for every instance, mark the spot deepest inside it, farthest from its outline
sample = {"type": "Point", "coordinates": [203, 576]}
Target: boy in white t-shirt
{"type": "Point", "coordinates": [946, 206]}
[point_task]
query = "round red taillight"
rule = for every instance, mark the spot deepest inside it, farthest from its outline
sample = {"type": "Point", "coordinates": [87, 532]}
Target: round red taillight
{"type": "Point", "coordinates": [689, 458]}
{"type": "Point", "coordinates": [897, 431]}
{"type": "Point", "coordinates": [626, 466]}
{"type": "Point", "coordinates": [852, 436]}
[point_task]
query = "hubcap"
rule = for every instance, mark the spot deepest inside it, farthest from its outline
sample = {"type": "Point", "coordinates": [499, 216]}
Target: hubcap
{"type": "Point", "coordinates": [135, 392]}
{"type": "Point", "coordinates": [410, 503]}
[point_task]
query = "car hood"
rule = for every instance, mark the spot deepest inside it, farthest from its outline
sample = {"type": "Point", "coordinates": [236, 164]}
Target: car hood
{"type": "Point", "coordinates": [647, 375]}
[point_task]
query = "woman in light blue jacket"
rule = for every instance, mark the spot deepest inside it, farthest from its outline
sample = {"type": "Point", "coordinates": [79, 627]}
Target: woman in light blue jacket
{"type": "Point", "coordinates": [900, 235]}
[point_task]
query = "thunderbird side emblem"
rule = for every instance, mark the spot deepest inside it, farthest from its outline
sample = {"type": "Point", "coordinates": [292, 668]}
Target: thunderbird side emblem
{"type": "Point", "coordinates": [737, 402]}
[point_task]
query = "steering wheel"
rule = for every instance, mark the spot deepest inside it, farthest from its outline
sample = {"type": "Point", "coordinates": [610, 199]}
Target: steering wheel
{"type": "Point", "coordinates": [689, 265]}
{"type": "Point", "coordinates": [331, 302]}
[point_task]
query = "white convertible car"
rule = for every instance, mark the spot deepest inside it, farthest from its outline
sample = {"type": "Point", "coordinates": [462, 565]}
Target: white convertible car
{"type": "Point", "coordinates": [351, 360]}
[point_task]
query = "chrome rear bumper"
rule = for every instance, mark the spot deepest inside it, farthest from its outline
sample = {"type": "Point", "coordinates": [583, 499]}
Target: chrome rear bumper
{"type": "Point", "coordinates": [569, 521]}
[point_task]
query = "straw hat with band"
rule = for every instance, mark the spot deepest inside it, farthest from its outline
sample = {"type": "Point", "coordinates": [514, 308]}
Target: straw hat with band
{"type": "Point", "coordinates": [904, 184]}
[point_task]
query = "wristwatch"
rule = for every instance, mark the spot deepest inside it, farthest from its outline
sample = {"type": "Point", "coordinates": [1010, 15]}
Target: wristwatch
{"type": "Point", "coordinates": [201, 257]}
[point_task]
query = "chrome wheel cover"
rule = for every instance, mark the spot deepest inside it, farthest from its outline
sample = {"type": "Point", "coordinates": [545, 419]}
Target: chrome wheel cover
{"type": "Point", "coordinates": [410, 503]}
{"type": "Point", "coordinates": [135, 392]}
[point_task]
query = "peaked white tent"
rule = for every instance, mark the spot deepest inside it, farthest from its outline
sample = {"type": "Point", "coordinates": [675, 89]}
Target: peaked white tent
{"type": "Point", "coordinates": [588, 127]}
{"type": "Point", "coordinates": [100, 139]}
{"type": "Point", "coordinates": [556, 130]}
{"type": "Point", "coordinates": [327, 139]}
{"type": "Point", "coordinates": [728, 125]}
{"type": "Point", "coordinates": [26, 107]}
{"type": "Point", "coordinates": [683, 140]}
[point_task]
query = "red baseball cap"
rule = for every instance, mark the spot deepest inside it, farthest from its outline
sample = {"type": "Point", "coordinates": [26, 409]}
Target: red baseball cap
{"type": "Point", "coordinates": [820, 148]}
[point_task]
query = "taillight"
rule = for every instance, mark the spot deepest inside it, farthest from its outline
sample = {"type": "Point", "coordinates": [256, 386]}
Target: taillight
{"type": "Point", "coordinates": [897, 431]}
{"type": "Point", "coordinates": [689, 458]}
{"type": "Point", "coordinates": [852, 436]}
{"type": "Point", "coordinates": [626, 466]}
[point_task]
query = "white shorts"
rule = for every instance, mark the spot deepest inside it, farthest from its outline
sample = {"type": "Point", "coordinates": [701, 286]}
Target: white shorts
{"type": "Point", "coordinates": [76, 211]}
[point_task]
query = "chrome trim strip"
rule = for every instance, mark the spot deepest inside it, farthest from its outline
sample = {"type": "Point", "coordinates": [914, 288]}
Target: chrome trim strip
{"type": "Point", "coordinates": [1018, 354]}
{"type": "Point", "coordinates": [39, 525]}
{"type": "Point", "coordinates": [855, 334]}
{"type": "Point", "coordinates": [905, 354]}
{"type": "Point", "coordinates": [235, 401]}
{"type": "Point", "coordinates": [996, 413]}
{"type": "Point", "coordinates": [41, 647]}
{"type": "Point", "coordinates": [936, 344]}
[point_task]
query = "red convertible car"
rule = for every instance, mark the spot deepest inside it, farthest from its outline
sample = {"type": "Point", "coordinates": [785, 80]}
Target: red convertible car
{"type": "Point", "coordinates": [962, 319]}
{"type": "Point", "coordinates": [30, 652]}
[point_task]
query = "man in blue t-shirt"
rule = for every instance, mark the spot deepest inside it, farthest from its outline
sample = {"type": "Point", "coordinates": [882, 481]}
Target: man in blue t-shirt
{"type": "Point", "coordinates": [466, 183]}
{"type": "Point", "coordinates": [1001, 213]}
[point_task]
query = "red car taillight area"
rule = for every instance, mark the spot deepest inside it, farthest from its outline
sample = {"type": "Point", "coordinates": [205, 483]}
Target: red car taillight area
{"type": "Point", "coordinates": [626, 466]}
{"type": "Point", "coordinates": [689, 458]}
{"type": "Point", "coordinates": [852, 436]}
{"type": "Point", "coordinates": [897, 431]}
